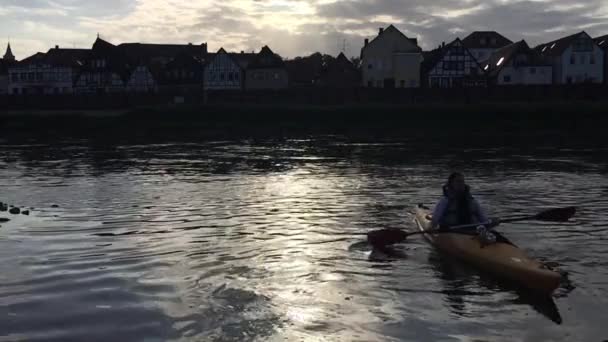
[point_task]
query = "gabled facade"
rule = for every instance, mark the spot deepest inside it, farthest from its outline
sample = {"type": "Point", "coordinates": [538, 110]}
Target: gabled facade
{"type": "Point", "coordinates": [184, 74]}
{"type": "Point", "coordinates": [517, 64]}
{"type": "Point", "coordinates": [450, 66]}
{"type": "Point", "coordinates": [48, 73]}
{"type": "Point", "coordinates": [602, 42]}
{"type": "Point", "coordinates": [305, 72]}
{"type": "Point", "coordinates": [223, 72]}
{"type": "Point", "coordinates": [575, 59]}
{"type": "Point", "coordinates": [339, 72]}
{"type": "Point", "coordinates": [391, 60]}
{"type": "Point", "coordinates": [266, 70]}
{"type": "Point", "coordinates": [105, 70]}
{"type": "Point", "coordinates": [482, 44]}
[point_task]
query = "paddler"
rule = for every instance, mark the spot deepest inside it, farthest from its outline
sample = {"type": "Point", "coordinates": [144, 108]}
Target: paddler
{"type": "Point", "coordinates": [458, 207]}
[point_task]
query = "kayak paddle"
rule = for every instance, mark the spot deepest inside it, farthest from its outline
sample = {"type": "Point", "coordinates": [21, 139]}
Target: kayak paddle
{"type": "Point", "coordinates": [391, 236]}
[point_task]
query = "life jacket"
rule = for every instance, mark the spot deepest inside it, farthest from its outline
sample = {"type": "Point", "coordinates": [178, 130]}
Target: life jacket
{"type": "Point", "coordinates": [460, 210]}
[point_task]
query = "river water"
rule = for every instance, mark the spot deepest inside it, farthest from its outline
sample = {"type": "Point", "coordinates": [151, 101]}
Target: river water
{"type": "Point", "coordinates": [261, 240]}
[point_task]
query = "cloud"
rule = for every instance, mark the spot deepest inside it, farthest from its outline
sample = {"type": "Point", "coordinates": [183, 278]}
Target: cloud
{"type": "Point", "coordinates": [290, 27]}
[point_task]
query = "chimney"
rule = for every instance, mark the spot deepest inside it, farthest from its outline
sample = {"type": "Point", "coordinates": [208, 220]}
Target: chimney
{"type": "Point", "coordinates": [366, 42]}
{"type": "Point", "coordinates": [380, 30]}
{"type": "Point", "coordinates": [442, 44]}
{"type": "Point", "coordinates": [56, 46]}
{"type": "Point", "coordinates": [242, 51]}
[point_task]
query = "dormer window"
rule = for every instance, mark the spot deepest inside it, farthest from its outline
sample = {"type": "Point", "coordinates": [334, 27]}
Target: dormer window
{"type": "Point", "coordinates": [482, 41]}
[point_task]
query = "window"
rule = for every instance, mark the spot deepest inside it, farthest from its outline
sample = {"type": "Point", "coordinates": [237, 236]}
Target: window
{"type": "Point", "coordinates": [591, 59]}
{"type": "Point", "coordinates": [236, 76]}
{"type": "Point", "coordinates": [493, 41]}
{"type": "Point", "coordinates": [276, 76]}
{"type": "Point", "coordinates": [31, 76]}
{"type": "Point", "coordinates": [402, 83]}
{"type": "Point", "coordinates": [369, 66]}
{"type": "Point", "coordinates": [23, 76]}
{"type": "Point", "coordinates": [38, 76]}
{"type": "Point", "coordinates": [507, 78]}
{"type": "Point", "coordinates": [532, 71]}
{"type": "Point", "coordinates": [222, 76]}
{"type": "Point", "coordinates": [15, 91]}
{"type": "Point", "coordinates": [434, 82]}
{"type": "Point", "coordinates": [15, 77]}
{"type": "Point", "coordinates": [569, 79]}
{"type": "Point", "coordinates": [572, 60]}
{"type": "Point", "coordinates": [230, 78]}
{"type": "Point", "coordinates": [583, 59]}
{"type": "Point", "coordinates": [370, 84]}
{"type": "Point", "coordinates": [413, 83]}
{"type": "Point", "coordinates": [482, 41]}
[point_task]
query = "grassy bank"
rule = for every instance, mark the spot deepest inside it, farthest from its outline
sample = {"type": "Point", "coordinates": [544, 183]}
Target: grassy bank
{"type": "Point", "coordinates": [509, 119]}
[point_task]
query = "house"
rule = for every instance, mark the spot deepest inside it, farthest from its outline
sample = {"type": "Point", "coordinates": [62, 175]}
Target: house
{"type": "Point", "coordinates": [391, 60]}
{"type": "Point", "coordinates": [340, 72]}
{"type": "Point", "coordinates": [183, 74]}
{"type": "Point", "coordinates": [7, 61]}
{"type": "Point", "coordinates": [265, 70]}
{"type": "Point", "coordinates": [602, 42]}
{"type": "Point", "coordinates": [105, 70]}
{"type": "Point", "coordinates": [451, 65]}
{"type": "Point", "coordinates": [53, 72]}
{"type": "Point", "coordinates": [223, 72]}
{"type": "Point", "coordinates": [482, 44]}
{"type": "Point", "coordinates": [517, 64]}
{"type": "Point", "coordinates": [575, 59]}
{"type": "Point", "coordinates": [147, 61]}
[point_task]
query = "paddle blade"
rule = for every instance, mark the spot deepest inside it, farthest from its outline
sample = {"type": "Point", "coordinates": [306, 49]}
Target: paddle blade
{"type": "Point", "coordinates": [556, 215]}
{"type": "Point", "coordinates": [385, 237]}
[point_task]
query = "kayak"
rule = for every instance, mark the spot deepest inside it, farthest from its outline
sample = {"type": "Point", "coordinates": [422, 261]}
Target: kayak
{"type": "Point", "coordinates": [501, 259]}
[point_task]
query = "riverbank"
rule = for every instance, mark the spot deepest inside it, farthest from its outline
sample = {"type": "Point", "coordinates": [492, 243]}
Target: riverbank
{"type": "Point", "coordinates": [568, 120]}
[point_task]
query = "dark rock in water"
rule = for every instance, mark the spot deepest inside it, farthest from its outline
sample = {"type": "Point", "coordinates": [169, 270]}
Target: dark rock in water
{"type": "Point", "coordinates": [25, 212]}
{"type": "Point", "coordinates": [4, 219]}
{"type": "Point", "coordinates": [54, 206]}
{"type": "Point", "coordinates": [14, 211]}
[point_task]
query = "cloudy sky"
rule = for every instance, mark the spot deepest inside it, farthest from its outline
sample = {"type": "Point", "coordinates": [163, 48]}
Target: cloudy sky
{"type": "Point", "coordinates": [289, 27]}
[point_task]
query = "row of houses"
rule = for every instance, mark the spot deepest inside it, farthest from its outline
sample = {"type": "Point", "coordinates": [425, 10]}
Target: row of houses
{"type": "Point", "coordinates": [392, 60]}
{"type": "Point", "coordinates": [389, 60]}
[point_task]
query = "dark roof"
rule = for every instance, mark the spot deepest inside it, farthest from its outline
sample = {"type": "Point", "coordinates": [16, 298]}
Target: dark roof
{"type": "Point", "coordinates": [509, 52]}
{"type": "Point", "coordinates": [602, 42]}
{"type": "Point", "coordinates": [144, 53]}
{"type": "Point", "coordinates": [58, 57]}
{"type": "Point", "coordinates": [393, 28]}
{"type": "Point", "coordinates": [67, 57]}
{"type": "Point", "coordinates": [266, 59]}
{"type": "Point", "coordinates": [557, 47]}
{"type": "Point", "coordinates": [476, 40]}
{"type": "Point", "coordinates": [243, 59]}
{"type": "Point", "coordinates": [211, 56]}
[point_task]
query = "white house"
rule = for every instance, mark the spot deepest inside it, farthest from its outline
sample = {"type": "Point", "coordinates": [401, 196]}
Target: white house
{"type": "Point", "coordinates": [48, 73]}
{"type": "Point", "coordinates": [575, 59]}
{"type": "Point", "coordinates": [517, 64]}
{"type": "Point", "coordinates": [451, 65]}
{"type": "Point", "coordinates": [482, 44]}
{"type": "Point", "coordinates": [223, 72]}
{"type": "Point", "coordinates": [391, 60]}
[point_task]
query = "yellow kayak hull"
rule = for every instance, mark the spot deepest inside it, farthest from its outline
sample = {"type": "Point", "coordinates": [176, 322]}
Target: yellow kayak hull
{"type": "Point", "coordinates": [500, 259]}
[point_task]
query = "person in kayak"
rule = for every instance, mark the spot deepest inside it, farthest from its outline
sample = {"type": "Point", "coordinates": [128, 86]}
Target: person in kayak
{"type": "Point", "coordinates": [458, 207]}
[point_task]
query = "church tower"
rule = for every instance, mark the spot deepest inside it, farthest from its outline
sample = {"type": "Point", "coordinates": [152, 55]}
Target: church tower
{"type": "Point", "coordinates": [8, 56]}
